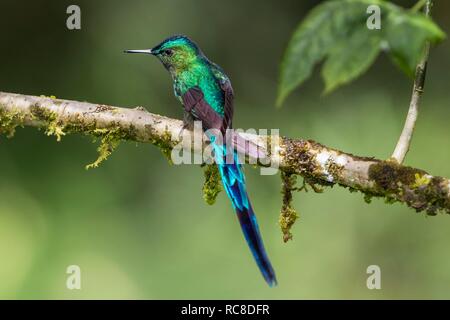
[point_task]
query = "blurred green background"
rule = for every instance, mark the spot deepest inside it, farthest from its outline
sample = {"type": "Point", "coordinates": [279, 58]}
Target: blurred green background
{"type": "Point", "coordinates": [138, 227]}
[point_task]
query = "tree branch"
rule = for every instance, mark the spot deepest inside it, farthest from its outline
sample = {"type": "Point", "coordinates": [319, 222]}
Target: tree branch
{"type": "Point", "coordinates": [317, 163]}
{"type": "Point", "coordinates": [404, 140]}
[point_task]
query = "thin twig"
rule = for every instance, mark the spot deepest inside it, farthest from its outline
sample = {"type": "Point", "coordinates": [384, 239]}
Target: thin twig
{"type": "Point", "coordinates": [404, 141]}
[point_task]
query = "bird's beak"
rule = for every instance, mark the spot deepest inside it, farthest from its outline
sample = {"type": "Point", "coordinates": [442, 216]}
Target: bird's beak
{"type": "Point", "coordinates": [147, 51]}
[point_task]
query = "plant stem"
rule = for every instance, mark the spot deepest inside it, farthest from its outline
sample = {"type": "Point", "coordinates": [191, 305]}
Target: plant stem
{"type": "Point", "coordinates": [404, 141]}
{"type": "Point", "coordinates": [418, 5]}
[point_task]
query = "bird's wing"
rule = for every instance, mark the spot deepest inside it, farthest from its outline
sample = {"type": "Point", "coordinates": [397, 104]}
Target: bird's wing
{"type": "Point", "coordinates": [228, 94]}
{"type": "Point", "coordinates": [228, 103]}
{"type": "Point", "coordinates": [195, 103]}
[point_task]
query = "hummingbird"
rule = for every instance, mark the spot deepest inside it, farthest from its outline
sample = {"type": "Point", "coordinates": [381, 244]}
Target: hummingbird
{"type": "Point", "coordinates": [206, 94]}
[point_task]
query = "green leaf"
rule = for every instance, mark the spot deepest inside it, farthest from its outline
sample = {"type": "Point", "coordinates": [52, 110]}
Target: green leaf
{"type": "Point", "coordinates": [351, 58]}
{"type": "Point", "coordinates": [406, 35]}
{"type": "Point", "coordinates": [304, 50]}
{"type": "Point", "coordinates": [336, 31]}
{"type": "Point", "coordinates": [311, 41]}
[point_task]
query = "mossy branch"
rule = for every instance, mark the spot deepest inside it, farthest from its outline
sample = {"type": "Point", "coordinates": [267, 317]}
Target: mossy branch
{"type": "Point", "coordinates": [317, 163]}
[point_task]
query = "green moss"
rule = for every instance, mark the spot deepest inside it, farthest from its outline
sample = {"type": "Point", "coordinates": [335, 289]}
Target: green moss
{"type": "Point", "coordinates": [54, 129]}
{"type": "Point", "coordinates": [413, 186]}
{"type": "Point", "coordinates": [9, 121]}
{"type": "Point", "coordinates": [42, 114]}
{"type": "Point", "coordinates": [211, 186]}
{"type": "Point", "coordinates": [334, 169]}
{"type": "Point", "coordinates": [298, 157]}
{"type": "Point", "coordinates": [390, 180]}
{"type": "Point", "coordinates": [351, 189]}
{"type": "Point", "coordinates": [53, 126]}
{"type": "Point", "coordinates": [110, 137]}
{"type": "Point", "coordinates": [317, 184]}
{"type": "Point", "coordinates": [421, 180]}
{"type": "Point", "coordinates": [109, 142]}
{"type": "Point", "coordinates": [288, 215]}
{"type": "Point", "coordinates": [390, 176]}
{"type": "Point", "coordinates": [164, 142]}
{"type": "Point", "coordinates": [368, 198]}
{"type": "Point", "coordinates": [300, 160]}
{"type": "Point", "coordinates": [430, 197]}
{"type": "Point", "coordinates": [390, 199]}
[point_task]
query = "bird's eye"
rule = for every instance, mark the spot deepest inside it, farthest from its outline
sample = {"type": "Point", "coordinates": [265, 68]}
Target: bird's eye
{"type": "Point", "coordinates": [168, 52]}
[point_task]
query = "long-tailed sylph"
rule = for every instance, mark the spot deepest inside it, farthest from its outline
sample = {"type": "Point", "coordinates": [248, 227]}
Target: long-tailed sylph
{"type": "Point", "coordinates": [206, 94]}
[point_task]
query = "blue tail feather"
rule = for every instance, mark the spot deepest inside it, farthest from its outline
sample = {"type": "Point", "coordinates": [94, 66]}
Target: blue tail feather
{"type": "Point", "coordinates": [234, 183]}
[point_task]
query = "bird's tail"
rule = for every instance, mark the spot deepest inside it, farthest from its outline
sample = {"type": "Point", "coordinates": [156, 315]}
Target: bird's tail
{"type": "Point", "coordinates": [234, 183]}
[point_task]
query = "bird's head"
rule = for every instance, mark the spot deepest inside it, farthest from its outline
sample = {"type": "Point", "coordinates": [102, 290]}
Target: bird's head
{"type": "Point", "coordinates": [177, 53]}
